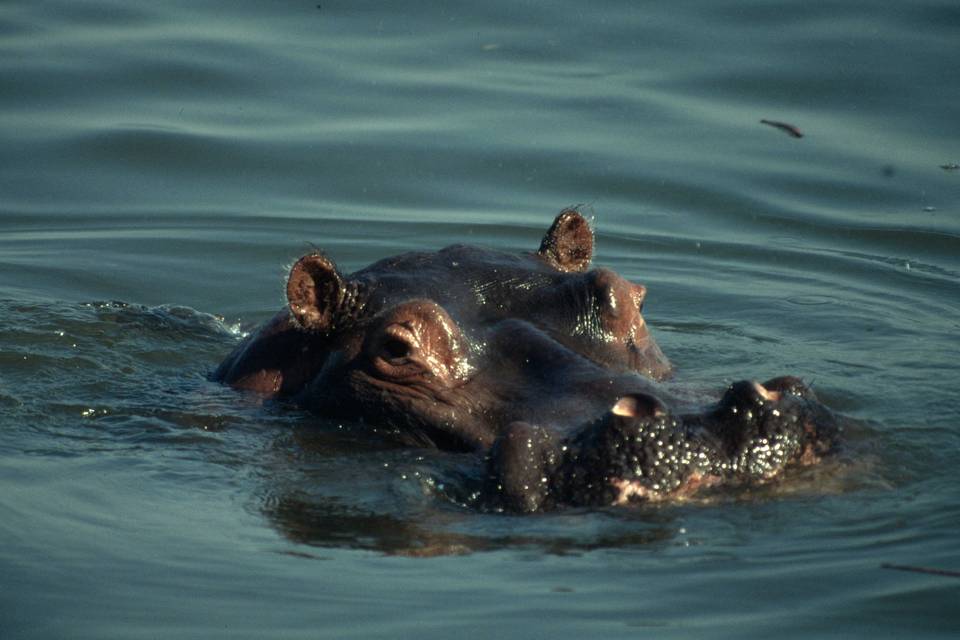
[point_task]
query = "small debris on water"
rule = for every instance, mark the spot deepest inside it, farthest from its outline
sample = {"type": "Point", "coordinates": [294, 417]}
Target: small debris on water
{"type": "Point", "coordinates": [783, 126]}
{"type": "Point", "coordinates": [950, 166]}
{"type": "Point", "coordinates": [934, 571]}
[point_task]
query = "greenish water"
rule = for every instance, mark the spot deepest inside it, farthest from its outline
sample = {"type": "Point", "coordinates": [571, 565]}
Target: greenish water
{"type": "Point", "coordinates": [162, 162]}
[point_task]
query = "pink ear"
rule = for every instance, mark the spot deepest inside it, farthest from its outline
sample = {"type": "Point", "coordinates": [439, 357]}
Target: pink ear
{"type": "Point", "coordinates": [568, 244]}
{"type": "Point", "coordinates": [315, 291]}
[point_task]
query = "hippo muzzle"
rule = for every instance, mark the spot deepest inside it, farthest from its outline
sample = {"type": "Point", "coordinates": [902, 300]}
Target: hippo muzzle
{"type": "Point", "coordinates": [639, 452]}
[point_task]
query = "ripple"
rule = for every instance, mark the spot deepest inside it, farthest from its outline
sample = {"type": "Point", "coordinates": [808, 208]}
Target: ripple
{"type": "Point", "coordinates": [811, 301]}
{"type": "Point", "coordinates": [181, 153]}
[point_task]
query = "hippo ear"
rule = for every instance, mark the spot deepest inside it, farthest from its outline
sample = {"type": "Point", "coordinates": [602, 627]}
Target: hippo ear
{"type": "Point", "coordinates": [568, 244]}
{"type": "Point", "coordinates": [315, 292]}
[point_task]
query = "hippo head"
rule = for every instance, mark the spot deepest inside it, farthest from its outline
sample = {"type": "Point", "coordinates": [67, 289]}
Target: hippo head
{"type": "Point", "coordinates": [452, 346]}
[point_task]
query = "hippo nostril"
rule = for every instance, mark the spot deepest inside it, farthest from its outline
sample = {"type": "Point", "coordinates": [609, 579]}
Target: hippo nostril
{"type": "Point", "coordinates": [625, 407]}
{"type": "Point", "coordinates": [746, 393]}
{"type": "Point", "coordinates": [766, 394]}
{"type": "Point", "coordinates": [789, 385]}
{"type": "Point", "coordinates": [638, 405]}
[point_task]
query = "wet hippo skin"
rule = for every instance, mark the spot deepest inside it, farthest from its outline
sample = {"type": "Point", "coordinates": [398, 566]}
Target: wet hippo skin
{"type": "Point", "coordinates": [536, 361]}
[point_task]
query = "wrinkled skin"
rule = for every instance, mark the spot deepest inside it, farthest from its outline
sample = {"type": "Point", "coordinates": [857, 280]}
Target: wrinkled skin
{"type": "Point", "coordinates": [541, 363]}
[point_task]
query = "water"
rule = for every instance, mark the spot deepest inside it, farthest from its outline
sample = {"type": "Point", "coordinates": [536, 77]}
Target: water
{"type": "Point", "coordinates": [161, 164]}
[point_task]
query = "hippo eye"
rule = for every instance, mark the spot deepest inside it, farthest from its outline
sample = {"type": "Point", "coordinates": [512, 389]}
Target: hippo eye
{"type": "Point", "coordinates": [395, 349]}
{"type": "Point", "coordinates": [416, 343]}
{"type": "Point", "coordinates": [397, 344]}
{"type": "Point", "coordinates": [395, 354]}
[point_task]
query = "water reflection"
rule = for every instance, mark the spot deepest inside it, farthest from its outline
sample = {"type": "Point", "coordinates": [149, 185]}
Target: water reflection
{"type": "Point", "coordinates": [329, 486]}
{"type": "Point", "coordinates": [330, 523]}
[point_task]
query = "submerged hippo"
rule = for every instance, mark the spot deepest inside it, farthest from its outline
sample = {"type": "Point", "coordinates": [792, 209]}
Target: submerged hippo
{"type": "Point", "coordinates": [544, 365]}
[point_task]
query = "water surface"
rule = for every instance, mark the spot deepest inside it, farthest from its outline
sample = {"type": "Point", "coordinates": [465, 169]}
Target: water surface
{"type": "Point", "coordinates": [162, 163]}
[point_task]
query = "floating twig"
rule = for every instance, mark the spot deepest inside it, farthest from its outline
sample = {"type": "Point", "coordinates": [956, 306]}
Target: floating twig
{"type": "Point", "coordinates": [934, 572]}
{"type": "Point", "coordinates": [783, 126]}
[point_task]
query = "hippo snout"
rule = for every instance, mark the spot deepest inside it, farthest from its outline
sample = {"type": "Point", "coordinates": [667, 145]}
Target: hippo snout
{"type": "Point", "coordinates": [638, 451]}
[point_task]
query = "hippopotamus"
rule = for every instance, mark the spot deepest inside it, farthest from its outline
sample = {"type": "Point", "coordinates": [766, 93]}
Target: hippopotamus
{"type": "Point", "coordinates": [539, 363]}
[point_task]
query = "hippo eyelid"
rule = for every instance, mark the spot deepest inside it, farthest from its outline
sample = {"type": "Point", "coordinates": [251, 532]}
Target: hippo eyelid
{"type": "Point", "coordinates": [398, 342]}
